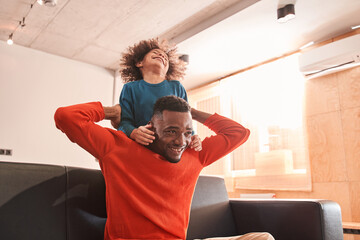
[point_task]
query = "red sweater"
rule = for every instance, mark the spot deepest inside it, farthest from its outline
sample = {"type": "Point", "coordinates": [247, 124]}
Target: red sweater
{"type": "Point", "coordinates": [147, 197]}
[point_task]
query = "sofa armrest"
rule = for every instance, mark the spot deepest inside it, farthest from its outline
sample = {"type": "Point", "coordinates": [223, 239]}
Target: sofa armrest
{"type": "Point", "coordinates": [289, 219]}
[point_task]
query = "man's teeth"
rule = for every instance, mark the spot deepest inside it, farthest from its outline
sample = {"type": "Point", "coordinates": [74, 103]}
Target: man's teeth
{"type": "Point", "coordinates": [176, 149]}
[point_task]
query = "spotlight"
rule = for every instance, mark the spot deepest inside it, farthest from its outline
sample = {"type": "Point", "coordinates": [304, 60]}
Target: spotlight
{"type": "Point", "coordinates": [286, 13]}
{"type": "Point", "coordinates": [22, 23]}
{"type": "Point", "coordinates": [48, 3]}
{"type": "Point", "coordinates": [184, 58]}
{"type": "Point", "coordinates": [10, 41]}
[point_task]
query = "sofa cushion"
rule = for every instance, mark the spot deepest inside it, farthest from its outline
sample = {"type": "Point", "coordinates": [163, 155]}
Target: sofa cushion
{"type": "Point", "coordinates": [86, 211]}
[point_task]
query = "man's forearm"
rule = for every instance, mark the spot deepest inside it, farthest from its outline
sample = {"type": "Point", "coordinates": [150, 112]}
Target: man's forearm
{"type": "Point", "coordinates": [113, 114]}
{"type": "Point", "coordinates": [199, 115]}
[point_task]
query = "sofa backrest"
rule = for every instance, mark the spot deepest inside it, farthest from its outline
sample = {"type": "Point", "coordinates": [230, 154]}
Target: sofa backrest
{"type": "Point", "coordinates": [32, 201]}
{"type": "Point", "coordinates": [211, 215]}
{"type": "Point", "coordinates": [67, 203]}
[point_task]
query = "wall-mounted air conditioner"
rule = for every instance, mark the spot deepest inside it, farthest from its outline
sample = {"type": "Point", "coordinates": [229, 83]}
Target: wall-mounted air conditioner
{"type": "Point", "coordinates": [331, 57]}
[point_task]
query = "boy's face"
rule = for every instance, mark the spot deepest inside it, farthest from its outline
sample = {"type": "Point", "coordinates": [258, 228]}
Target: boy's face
{"type": "Point", "coordinates": [155, 60]}
{"type": "Point", "coordinates": [173, 134]}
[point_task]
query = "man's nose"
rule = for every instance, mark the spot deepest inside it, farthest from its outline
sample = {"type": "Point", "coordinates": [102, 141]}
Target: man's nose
{"type": "Point", "coordinates": [180, 140]}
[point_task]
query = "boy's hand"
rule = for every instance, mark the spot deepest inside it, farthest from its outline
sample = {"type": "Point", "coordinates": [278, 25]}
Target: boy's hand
{"type": "Point", "coordinates": [196, 143]}
{"type": "Point", "coordinates": [143, 135]}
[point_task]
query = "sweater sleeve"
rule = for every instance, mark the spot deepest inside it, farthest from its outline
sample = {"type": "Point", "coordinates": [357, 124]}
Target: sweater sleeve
{"type": "Point", "coordinates": [183, 92]}
{"type": "Point", "coordinates": [127, 124]}
{"type": "Point", "coordinates": [78, 123]}
{"type": "Point", "coordinates": [229, 136]}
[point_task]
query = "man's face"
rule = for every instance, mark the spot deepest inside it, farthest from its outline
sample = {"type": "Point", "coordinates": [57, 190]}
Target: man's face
{"type": "Point", "coordinates": [155, 60]}
{"type": "Point", "coordinates": [173, 134]}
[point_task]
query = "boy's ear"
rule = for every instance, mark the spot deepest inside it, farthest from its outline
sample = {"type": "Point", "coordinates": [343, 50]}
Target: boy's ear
{"type": "Point", "coordinates": [139, 64]}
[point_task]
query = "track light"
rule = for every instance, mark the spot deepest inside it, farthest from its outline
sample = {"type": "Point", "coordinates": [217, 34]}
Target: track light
{"type": "Point", "coordinates": [286, 13]}
{"type": "Point", "coordinates": [10, 41]}
{"type": "Point", "coordinates": [22, 23]}
{"type": "Point", "coordinates": [48, 3]}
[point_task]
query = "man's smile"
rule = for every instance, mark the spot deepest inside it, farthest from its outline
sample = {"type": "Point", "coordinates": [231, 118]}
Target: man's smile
{"type": "Point", "coordinates": [177, 150]}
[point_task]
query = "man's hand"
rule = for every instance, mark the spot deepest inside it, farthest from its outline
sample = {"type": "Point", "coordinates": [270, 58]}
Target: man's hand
{"type": "Point", "coordinates": [143, 135]}
{"type": "Point", "coordinates": [113, 114]}
{"type": "Point", "coordinates": [199, 115]}
{"type": "Point", "coordinates": [196, 143]}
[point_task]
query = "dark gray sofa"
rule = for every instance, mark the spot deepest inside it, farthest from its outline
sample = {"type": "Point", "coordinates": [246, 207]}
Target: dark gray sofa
{"type": "Point", "coordinates": [58, 202]}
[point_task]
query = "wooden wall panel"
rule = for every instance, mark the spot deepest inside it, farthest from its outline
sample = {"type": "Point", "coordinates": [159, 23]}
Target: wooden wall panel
{"type": "Point", "coordinates": [349, 88]}
{"type": "Point", "coordinates": [322, 95]}
{"type": "Point", "coordinates": [355, 201]}
{"type": "Point", "coordinates": [326, 150]}
{"type": "Point", "coordinates": [351, 131]}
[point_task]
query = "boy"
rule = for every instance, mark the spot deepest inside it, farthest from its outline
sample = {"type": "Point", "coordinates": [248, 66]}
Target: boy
{"type": "Point", "coordinates": [148, 69]}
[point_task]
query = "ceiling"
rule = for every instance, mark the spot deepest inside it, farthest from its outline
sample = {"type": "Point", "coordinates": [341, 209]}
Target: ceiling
{"type": "Point", "coordinates": [220, 36]}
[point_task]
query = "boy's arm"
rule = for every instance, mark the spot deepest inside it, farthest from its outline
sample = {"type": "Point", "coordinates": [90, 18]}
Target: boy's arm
{"type": "Point", "coordinates": [142, 134]}
{"type": "Point", "coordinates": [78, 123]}
{"type": "Point", "coordinates": [127, 124]}
{"type": "Point", "coordinates": [229, 136]}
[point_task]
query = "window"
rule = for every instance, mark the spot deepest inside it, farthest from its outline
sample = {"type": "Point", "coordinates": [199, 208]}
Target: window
{"type": "Point", "coordinates": [269, 101]}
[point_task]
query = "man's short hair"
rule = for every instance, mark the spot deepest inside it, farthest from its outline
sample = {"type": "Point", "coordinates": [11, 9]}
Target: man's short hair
{"type": "Point", "coordinates": [170, 103]}
{"type": "Point", "coordinates": [130, 72]}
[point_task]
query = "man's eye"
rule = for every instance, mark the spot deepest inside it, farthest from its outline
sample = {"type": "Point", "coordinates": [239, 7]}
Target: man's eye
{"type": "Point", "coordinates": [170, 132]}
{"type": "Point", "coordinates": [188, 134]}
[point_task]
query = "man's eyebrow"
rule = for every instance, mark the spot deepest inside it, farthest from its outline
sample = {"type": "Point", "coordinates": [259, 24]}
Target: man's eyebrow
{"type": "Point", "coordinates": [172, 127]}
{"type": "Point", "coordinates": [176, 127]}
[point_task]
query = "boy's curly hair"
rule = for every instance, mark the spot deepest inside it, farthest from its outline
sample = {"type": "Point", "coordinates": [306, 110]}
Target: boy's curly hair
{"type": "Point", "coordinates": [128, 70]}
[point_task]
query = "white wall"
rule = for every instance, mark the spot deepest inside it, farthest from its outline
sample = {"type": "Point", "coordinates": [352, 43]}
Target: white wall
{"type": "Point", "coordinates": [33, 85]}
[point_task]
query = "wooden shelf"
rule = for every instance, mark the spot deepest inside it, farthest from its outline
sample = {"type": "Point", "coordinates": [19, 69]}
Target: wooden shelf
{"type": "Point", "coordinates": [351, 227]}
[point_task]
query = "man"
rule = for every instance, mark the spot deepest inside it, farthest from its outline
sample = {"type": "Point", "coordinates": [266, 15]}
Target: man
{"type": "Point", "coordinates": [149, 189]}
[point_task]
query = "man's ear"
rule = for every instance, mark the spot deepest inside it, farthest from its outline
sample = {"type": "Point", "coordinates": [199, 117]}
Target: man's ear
{"type": "Point", "coordinates": [150, 125]}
